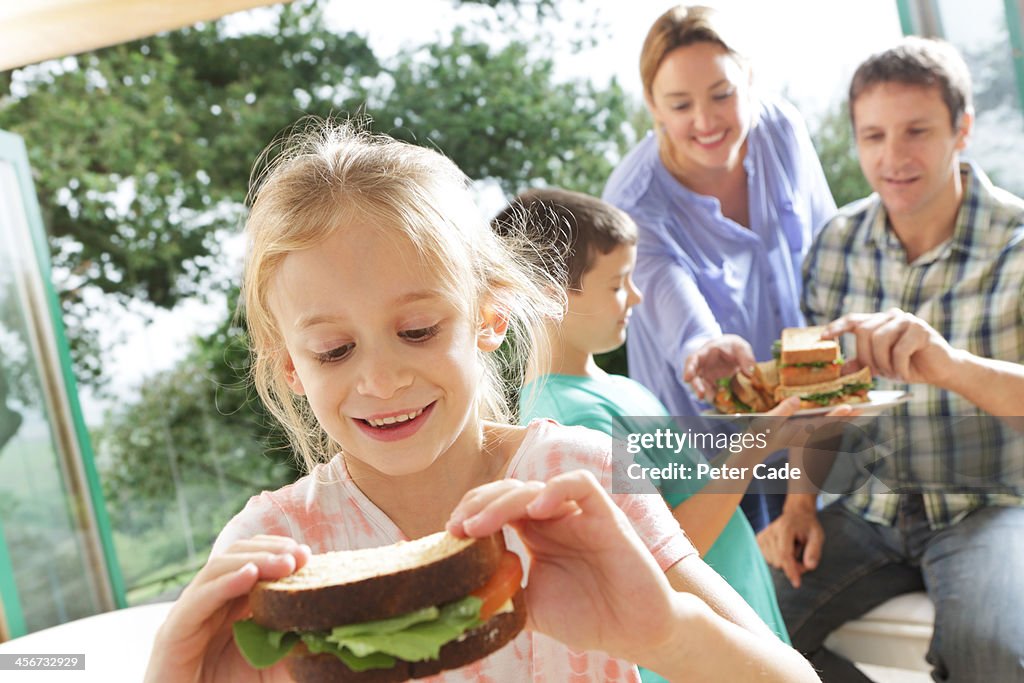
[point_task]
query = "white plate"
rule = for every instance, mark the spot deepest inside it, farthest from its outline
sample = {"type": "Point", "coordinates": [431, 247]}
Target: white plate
{"type": "Point", "coordinates": [878, 401]}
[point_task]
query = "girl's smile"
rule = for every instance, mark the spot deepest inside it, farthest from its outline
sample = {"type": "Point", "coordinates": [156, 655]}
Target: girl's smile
{"type": "Point", "coordinates": [395, 427]}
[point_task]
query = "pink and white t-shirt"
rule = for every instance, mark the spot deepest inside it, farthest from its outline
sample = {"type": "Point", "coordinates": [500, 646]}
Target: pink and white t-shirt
{"type": "Point", "coordinates": [327, 511]}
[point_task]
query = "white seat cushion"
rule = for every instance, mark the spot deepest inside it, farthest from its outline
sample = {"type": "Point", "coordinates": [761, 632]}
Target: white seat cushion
{"type": "Point", "coordinates": [894, 634]}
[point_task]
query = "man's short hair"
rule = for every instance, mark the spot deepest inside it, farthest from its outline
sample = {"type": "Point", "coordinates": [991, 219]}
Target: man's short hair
{"type": "Point", "coordinates": [568, 229]}
{"type": "Point", "coordinates": [919, 61]}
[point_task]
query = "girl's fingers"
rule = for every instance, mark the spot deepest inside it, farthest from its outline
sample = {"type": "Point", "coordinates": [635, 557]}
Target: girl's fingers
{"type": "Point", "coordinates": [578, 489]}
{"type": "Point", "coordinates": [269, 565]}
{"type": "Point", "coordinates": [203, 600]}
{"type": "Point", "coordinates": [476, 500]}
{"type": "Point", "coordinates": [272, 544]}
{"type": "Point", "coordinates": [506, 505]}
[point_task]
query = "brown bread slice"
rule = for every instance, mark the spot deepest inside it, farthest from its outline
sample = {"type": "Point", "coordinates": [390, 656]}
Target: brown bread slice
{"type": "Point", "coordinates": [473, 645]}
{"type": "Point", "coordinates": [766, 376]}
{"type": "Point", "coordinates": [352, 586]}
{"type": "Point", "coordinates": [746, 391]}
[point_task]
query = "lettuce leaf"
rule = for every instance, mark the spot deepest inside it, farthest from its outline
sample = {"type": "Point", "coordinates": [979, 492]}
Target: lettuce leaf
{"type": "Point", "coordinates": [419, 641]}
{"type": "Point", "coordinates": [825, 398]}
{"type": "Point", "coordinates": [260, 646]}
{"type": "Point", "coordinates": [413, 637]}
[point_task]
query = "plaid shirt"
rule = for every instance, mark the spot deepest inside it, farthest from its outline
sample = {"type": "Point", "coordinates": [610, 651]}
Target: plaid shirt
{"type": "Point", "coordinates": [969, 288]}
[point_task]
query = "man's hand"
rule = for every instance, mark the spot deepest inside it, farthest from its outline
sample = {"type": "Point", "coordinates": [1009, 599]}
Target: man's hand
{"type": "Point", "coordinates": [719, 358]}
{"type": "Point", "coordinates": [793, 541]}
{"type": "Point", "coordinates": [898, 345]}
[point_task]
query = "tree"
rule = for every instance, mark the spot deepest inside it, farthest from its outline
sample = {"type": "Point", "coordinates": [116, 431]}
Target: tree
{"type": "Point", "coordinates": [141, 152]}
{"type": "Point", "coordinates": [500, 113]}
{"type": "Point", "coordinates": [833, 139]}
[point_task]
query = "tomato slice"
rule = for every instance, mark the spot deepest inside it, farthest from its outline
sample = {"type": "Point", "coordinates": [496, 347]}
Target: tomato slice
{"type": "Point", "coordinates": [501, 586]}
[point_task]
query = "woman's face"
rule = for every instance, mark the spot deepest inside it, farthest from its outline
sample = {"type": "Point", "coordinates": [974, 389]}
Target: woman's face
{"type": "Point", "coordinates": [700, 101]}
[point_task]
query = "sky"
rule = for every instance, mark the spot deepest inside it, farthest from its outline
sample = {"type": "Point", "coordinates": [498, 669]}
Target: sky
{"type": "Point", "coordinates": [805, 49]}
{"type": "Point", "coordinates": [808, 47]}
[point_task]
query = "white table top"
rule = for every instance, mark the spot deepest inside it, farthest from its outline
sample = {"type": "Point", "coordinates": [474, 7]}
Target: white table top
{"type": "Point", "coordinates": [116, 646]}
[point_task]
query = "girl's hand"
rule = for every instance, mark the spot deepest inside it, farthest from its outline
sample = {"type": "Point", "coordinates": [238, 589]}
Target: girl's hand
{"type": "Point", "coordinates": [196, 643]}
{"type": "Point", "coordinates": [593, 584]}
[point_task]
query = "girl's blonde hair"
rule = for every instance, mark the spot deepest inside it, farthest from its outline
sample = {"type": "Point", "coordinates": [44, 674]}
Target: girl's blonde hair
{"type": "Point", "coordinates": [679, 27]}
{"type": "Point", "coordinates": [326, 176]}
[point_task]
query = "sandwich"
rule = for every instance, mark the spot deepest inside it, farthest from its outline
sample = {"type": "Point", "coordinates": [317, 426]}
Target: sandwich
{"type": "Point", "coordinates": [812, 368]}
{"type": "Point", "coordinates": [804, 365]}
{"type": "Point", "coordinates": [386, 614]}
{"type": "Point", "coordinates": [851, 388]}
{"type": "Point", "coordinates": [742, 394]}
{"type": "Point", "coordinates": [806, 358]}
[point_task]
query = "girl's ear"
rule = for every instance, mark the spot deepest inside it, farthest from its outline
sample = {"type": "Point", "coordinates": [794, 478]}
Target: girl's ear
{"type": "Point", "coordinates": [492, 329]}
{"type": "Point", "coordinates": [291, 376]}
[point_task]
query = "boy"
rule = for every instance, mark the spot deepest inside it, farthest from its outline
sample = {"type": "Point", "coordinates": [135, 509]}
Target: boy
{"type": "Point", "coordinates": [591, 248]}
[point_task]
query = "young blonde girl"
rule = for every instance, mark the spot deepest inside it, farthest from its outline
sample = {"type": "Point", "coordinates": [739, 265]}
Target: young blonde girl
{"type": "Point", "coordinates": [376, 295]}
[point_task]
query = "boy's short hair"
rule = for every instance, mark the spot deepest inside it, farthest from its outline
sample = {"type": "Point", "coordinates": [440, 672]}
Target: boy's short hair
{"type": "Point", "coordinates": [919, 61]}
{"type": "Point", "coordinates": [568, 229]}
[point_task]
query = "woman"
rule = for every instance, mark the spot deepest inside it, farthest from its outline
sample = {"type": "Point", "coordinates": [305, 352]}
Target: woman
{"type": "Point", "coordinates": [728, 194]}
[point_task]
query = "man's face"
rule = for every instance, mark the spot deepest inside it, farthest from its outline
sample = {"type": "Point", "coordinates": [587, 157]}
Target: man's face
{"type": "Point", "coordinates": [907, 146]}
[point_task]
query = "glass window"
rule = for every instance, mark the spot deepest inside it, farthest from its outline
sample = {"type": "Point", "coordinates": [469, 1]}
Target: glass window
{"type": "Point", "coordinates": [981, 31]}
{"type": "Point", "coordinates": [52, 572]}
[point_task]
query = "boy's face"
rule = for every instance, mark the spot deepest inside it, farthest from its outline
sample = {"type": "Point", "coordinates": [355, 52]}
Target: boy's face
{"type": "Point", "coordinates": [908, 150]}
{"type": "Point", "coordinates": [598, 315]}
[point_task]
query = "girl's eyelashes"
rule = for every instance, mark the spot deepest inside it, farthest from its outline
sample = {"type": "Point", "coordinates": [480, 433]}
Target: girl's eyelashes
{"type": "Point", "coordinates": [338, 353]}
{"type": "Point", "coordinates": [335, 354]}
{"type": "Point", "coordinates": [421, 334]}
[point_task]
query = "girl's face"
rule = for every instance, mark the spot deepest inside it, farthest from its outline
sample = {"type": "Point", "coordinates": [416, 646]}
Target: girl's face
{"type": "Point", "coordinates": [386, 360]}
{"type": "Point", "coordinates": [700, 100]}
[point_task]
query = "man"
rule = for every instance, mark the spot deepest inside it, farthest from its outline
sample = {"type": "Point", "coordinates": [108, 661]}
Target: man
{"type": "Point", "coordinates": [941, 252]}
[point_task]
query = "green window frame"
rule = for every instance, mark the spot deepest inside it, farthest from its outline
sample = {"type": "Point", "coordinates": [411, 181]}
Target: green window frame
{"type": "Point", "coordinates": [81, 485]}
{"type": "Point", "coordinates": [922, 17]}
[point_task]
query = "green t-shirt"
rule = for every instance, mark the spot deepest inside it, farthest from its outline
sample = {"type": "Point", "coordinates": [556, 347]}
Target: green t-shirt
{"type": "Point", "coordinates": [574, 400]}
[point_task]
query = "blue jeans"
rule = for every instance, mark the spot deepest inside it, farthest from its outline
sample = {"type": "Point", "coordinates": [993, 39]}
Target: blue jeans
{"type": "Point", "coordinates": [759, 507]}
{"type": "Point", "coordinates": [973, 572]}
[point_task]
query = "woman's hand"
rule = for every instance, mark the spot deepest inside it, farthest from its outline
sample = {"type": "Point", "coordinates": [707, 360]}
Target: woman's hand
{"type": "Point", "coordinates": [718, 359]}
{"type": "Point", "coordinates": [195, 643]}
{"type": "Point", "coordinates": [785, 433]}
{"type": "Point", "coordinates": [593, 584]}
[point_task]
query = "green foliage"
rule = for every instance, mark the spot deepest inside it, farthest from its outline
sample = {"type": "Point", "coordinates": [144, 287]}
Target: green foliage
{"type": "Point", "coordinates": [142, 152]}
{"type": "Point", "coordinates": [499, 113]}
{"type": "Point", "coordinates": [176, 433]}
{"type": "Point", "coordinates": [836, 148]}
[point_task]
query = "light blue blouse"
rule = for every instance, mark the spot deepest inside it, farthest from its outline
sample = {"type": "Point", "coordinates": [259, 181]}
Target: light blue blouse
{"type": "Point", "coordinates": [702, 274]}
